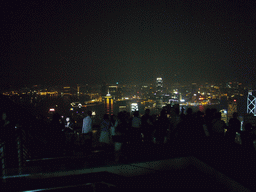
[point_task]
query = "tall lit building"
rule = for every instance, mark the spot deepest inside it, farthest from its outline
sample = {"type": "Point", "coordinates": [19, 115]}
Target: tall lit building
{"type": "Point", "coordinates": [108, 104]}
{"type": "Point", "coordinates": [66, 91]}
{"type": "Point", "coordinates": [78, 89]}
{"type": "Point", "coordinates": [159, 92]}
{"type": "Point", "coordinates": [232, 107]}
{"type": "Point", "coordinates": [251, 102]}
{"type": "Point", "coordinates": [113, 90]}
{"type": "Point", "coordinates": [159, 84]}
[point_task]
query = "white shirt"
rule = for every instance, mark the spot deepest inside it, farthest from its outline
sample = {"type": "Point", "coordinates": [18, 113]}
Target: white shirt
{"type": "Point", "coordinates": [87, 125]}
{"type": "Point", "coordinates": [113, 128]}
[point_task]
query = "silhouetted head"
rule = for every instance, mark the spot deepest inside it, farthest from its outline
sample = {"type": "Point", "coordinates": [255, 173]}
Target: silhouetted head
{"type": "Point", "coordinates": [182, 110]}
{"type": "Point", "coordinates": [136, 113]}
{"type": "Point", "coordinates": [189, 111]}
{"type": "Point", "coordinates": [106, 116]}
{"type": "Point", "coordinates": [147, 111]}
{"type": "Point", "coordinates": [214, 111]}
{"type": "Point", "coordinates": [163, 113]}
{"type": "Point", "coordinates": [89, 113]}
{"type": "Point", "coordinates": [248, 127]}
{"type": "Point", "coordinates": [121, 116]}
{"type": "Point", "coordinates": [172, 112]}
{"type": "Point", "coordinates": [208, 112]}
{"type": "Point", "coordinates": [112, 118]}
{"type": "Point", "coordinates": [199, 114]}
{"type": "Point", "coordinates": [218, 115]}
{"type": "Point", "coordinates": [235, 115]}
{"type": "Point", "coordinates": [128, 115]}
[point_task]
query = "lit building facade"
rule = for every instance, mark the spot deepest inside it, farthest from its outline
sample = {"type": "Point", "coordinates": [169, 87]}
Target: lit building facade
{"type": "Point", "coordinates": [232, 108]}
{"type": "Point", "coordinates": [251, 102]}
{"type": "Point", "coordinates": [108, 104]}
{"type": "Point", "coordinates": [113, 90]}
{"type": "Point", "coordinates": [159, 85]}
{"type": "Point", "coordinates": [159, 92]}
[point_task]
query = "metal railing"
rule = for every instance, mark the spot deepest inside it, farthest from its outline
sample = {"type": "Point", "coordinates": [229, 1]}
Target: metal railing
{"type": "Point", "coordinates": [2, 159]}
{"type": "Point", "coordinates": [23, 152]}
{"type": "Point", "coordinates": [23, 142]}
{"type": "Point", "coordinates": [22, 147]}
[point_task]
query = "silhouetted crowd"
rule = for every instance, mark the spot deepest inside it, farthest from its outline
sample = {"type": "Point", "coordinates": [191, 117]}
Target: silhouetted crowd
{"type": "Point", "coordinates": [184, 130]}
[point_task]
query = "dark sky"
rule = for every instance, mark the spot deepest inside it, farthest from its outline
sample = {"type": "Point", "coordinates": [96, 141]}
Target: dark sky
{"type": "Point", "coordinates": [69, 42]}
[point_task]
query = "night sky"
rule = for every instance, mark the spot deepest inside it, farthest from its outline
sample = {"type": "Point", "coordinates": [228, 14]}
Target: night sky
{"type": "Point", "coordinates": [69, 42]}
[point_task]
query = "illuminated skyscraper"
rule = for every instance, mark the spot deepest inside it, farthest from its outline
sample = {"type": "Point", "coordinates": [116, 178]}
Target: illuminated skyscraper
{"type": "Point", "coordinates": [108, 104]}
{"type": "Point", "coordinates": [251, 102]}
{"type": "Point", "coordinates": [159, 84]}
{"type": "Point", "coordinates": [232, 107]}
{"type": "Point", "coordinates": [159, 92]}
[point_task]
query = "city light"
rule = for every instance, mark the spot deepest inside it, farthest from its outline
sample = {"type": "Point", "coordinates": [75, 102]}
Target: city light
{"type": "Point", "coordinates": [134, 107]}
{"type": "Point", "coordinates": [190, 61]}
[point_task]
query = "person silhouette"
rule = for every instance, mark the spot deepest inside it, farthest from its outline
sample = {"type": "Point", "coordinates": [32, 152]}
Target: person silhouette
{"type": "Point", "coordinates": [234, 126]}
{"type": "Point", "coordinates": [105, 130]}
{"type": "Point", "coordinates": [248, 137]}
{"type": "Point", "coordinates": [162, 127]}
{"type": "Point", "coordinates": [136, 128]}
{"type": "Point", "coordinates": [147, 126]}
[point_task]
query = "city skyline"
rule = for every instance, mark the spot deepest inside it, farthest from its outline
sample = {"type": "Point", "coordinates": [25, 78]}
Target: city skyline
{"type": "Point", "coordinates": [92, 42]}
